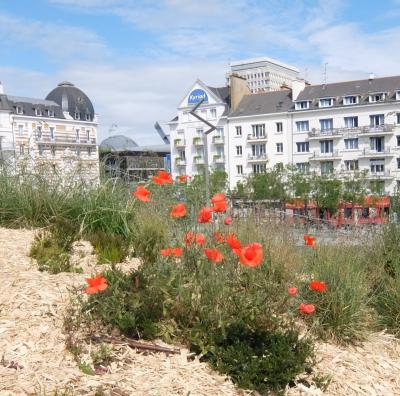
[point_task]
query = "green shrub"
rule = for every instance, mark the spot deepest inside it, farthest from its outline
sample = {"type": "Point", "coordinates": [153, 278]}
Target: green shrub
{"type": "Point", "coordinates": [109, 248]}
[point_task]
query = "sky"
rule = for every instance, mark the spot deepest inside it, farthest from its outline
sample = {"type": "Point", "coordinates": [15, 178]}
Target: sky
{"type": "Point", "coordinates": [136, 59]}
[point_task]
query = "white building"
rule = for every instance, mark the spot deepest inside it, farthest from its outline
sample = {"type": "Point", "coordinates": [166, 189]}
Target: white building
{"type": "Point", "coordinates": [343, 127]}
{"type": "Point", "coordinates": [264, 74]}
{"type": "Point", "coordinates": [59, 131]}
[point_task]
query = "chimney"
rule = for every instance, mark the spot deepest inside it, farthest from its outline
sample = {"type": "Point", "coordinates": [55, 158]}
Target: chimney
{"type": "Point", "coordinates": [1, 88]}
{"type": "Point", "coordinates": [297, 86]}
{"type": "Point", "coordinates": [238, 89]}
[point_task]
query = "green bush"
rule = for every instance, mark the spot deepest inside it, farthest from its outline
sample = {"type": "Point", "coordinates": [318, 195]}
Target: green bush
{"type": "Point", "coordinates": [109, 248]}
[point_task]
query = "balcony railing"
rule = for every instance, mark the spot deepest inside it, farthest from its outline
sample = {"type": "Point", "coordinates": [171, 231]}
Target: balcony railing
{"type": "Point", "coordinates": [198, 141]}
{"type": "Point", "coordinates": [65, 140]}
{"type": "Point", "coordinates": [338, 132]}
{"type": "Point", "coordinates": [218, 140]}
{"type": "Point", "coordinates": [256, 158]}
{"type": "Point", "coordinates": [198, 160]}
{"type": "Point", "coordinates": [318, 156]}
{"type": "Point", "coordinates": [180, 162]}
{"type": "Point", "coordinates": [219, 159]}
{"type": "Point", "coordinates": [179, 143]}
{"type": "Point", "coordinates": [379, 175]}
{"type": "Point", "coordinates": [251, 137]}
{"type": "Point", "coordinates": [376, 153]}
{"type": "Point", "coordinates": [330, 133]}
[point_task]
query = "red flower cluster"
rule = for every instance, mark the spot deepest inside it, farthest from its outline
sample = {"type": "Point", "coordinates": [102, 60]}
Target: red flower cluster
{"type": "Point", "coordinates": [219, 203]}
{"type": "Point", "coordinates": [251, 255]}
{"type": "Point", "coordinates": [191, 237]}
{"type": "Point", "coordinates": [162, 178]}
{"type": "Point", "coordinates": [96, 284]}
{"type": "Point", "coordinates": [219, 237]}
{"type": "Point", "coordinates": [307, 308]}
{"type": "Point", "coordinates": [214, 255]}
{"type": "Point", "coordinates": [292, 291]}
{"type": "Point", "coordinates": [318, 286]}
{"type": "Point", "coordinates": [205, 215]}
{"type": "Point", "coordinates": [176, 252]}
{"type": "Point", "coordinates": [179, 210]}
{"type": "Point", "coordinates": [142, 193]}
{"type": "Point", "coordinates": [234, 243]}
{"type": "Point", "coordinates": [309, 240]}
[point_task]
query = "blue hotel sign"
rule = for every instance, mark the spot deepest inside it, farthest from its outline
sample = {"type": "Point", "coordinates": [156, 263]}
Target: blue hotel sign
{"type": "Point", "coordinates": [196, 96]}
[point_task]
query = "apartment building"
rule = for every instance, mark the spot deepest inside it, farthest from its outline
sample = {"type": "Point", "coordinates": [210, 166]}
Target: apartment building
{"type": "Point", "coordinates": [264, 74]}
{"type": "Point", "coordinates": [339, 128]}
{"type": "Point", "coordinates": [59, 131]}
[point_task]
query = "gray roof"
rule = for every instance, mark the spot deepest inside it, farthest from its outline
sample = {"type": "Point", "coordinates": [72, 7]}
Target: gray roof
{"type": "Point", "coordinates": [73, 100]}
{"type": "Point", "coordinates": [118, 143]}
{"type": "Point", "coordinates": [222, 92]}
{"type": "Point", "coordinates": [264, 103]}
{"type": "Point", "coordinates": [29, 105]}
{"type": "Point", "coordinates": [362, 88]}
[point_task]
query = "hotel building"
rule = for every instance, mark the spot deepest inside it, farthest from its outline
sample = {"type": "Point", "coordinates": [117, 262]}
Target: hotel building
{"type": "Point", "coordinates": [59, 132]}
{"type": "Point", "coordinates": [340, 128]}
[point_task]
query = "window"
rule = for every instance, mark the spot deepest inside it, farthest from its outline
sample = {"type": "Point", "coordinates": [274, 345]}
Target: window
{"type": "Point", "coordinates": [279, 147]}
{"type": "Point", "coordinates": [326, 146]}
{"type": "Point", "coordinates": [351, 144]}
{"type": "Point", "coordinates": [279, 127]}
{"type": "Point", "coordinates": [326, 167]}
{"type": "Point", "coordinates": [351, 122]}
{"type": "Point", "coordinates": [77, 138]}
{"type": "Point", "coordinates": [302, 126]}
{"type": "Point", "coordinates": [238, 150]}
{"type": "Point", "coordinates": [89, 151]}
{"type": "Point", "coordinates": [259, 168]}
{"type": "Point", "coordinates": [50, 113]}
{"type": "Point", "coordinates": [213, 113]}
{"type": "Point", "coordinates": [378, 97]}
{"type": "Point", "coordinates": [182, 154]}
{"type": "Point", "coordinates": [303, 167]}
{"type": "Point", "coordinates": [53, 151]}
{"type": "Point", "coordinates": [41, 149]}
{"type": "Point", "coordinates": [398, 163]}
{"type": "Point", "coordinates": [20, 130]}
{"type": "Point", "coordinates": [238, 131]}
{"type": "Point", "coordinates": [87, 117]}
{"type": "Point", "coordinates": [258, 150]}
{"type": "Point", "coordinates": [21, 149]}
{"type": "Point", "coordinates": [326, 124]}
{"type": "Point", "coordinates": [239, 169]}
{"type": "Point", "coordinates": [398, 118]}
{"type": "Point", "coordinates": [303, 147]}
{"type": "Point", "coordinates": [77, 116]}
{"type": "Point", "coordinates": [376, 120]}
{"type": "Point", "coordinates": [39, 131]}
{"type": "Point", "coordinates": [351, 165]}
{"type": "Point", "coordinates": [38, 112]}
{"type": "Point", "coordinates": [398, 95]}
{"type": "Point", "coordinates": [19, 110]}
{"type": "Point", "coordinates": [398, 140]}
{"type": "Point", "coordinates": [258, 130]}
{"type": "Point", "coordinates": [304, 104]}
{"type": "Point", "coordinates": [87, 135]}
{"type": "Point", "coordinates": [377, 144]}
{"type": "Point", "coordinates": [326, 102]}
{"type": "Point", "coordinates": [52, 133]}
{"type": "Point", "coordinates": [377, 166]}
{"type": "Point", "coordinates": [220, 132]}
{"type": "Point", "coordinates": [349, 100]}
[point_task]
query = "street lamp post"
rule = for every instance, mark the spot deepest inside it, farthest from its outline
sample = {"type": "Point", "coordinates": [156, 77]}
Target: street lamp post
{"type": "Point", "coordinates": [205, 134]}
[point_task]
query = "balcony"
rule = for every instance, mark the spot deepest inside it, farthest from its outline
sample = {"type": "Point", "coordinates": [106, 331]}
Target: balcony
{"type": "Point", "coordinates": [384, 175]}
{"type": "Point", "coordinates": [180, 162]}
{"type": "Point", "coordinates": [60, 140]}
{"type": "Point", "coordinates": [318, 156]}
{"type": "Point", "coordinates": [198, 141]}
{"type": "Point", "coordinates": [180, 143]}
{"type": "Point", "coordinates": [257, 158]}
{"type": "Point", "coordinates": [219, 159]}
{"type": "Point", "coordinates": [252, 138]}
{"type": "Point", "coordinates": [198, 160]}
{"type": "Point", "coordinates": [386, 129]}
{"type": "Point", "coordinates": [218, 140]}
{"type": "Point", "coordinates": [368, 153]}
{"type": "Point", "coordinates": [335, 133]}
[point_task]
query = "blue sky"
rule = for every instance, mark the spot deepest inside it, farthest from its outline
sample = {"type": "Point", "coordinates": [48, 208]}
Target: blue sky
{"type": "Point", "coordinates": [136, 58]}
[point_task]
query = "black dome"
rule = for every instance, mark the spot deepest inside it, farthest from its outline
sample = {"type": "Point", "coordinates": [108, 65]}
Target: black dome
{"type": "Point", "coordinates": [72, 100]}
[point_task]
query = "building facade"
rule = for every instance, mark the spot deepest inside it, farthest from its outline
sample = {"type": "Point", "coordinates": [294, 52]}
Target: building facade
{"type": "Point", "coordinates": [341, 128]}
{"type": "Point", "coordinates": [264, 74]}
{"type": "Point", "coordinates": [58, 133]}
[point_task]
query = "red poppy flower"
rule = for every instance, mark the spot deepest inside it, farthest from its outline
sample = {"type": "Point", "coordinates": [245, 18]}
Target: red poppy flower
{"type": "Point", "coordinates": [96, 284]}
{"type": "Point", "coordinates": [182, 178]}
{"type": "Point", "coordinates": [205, 215]}
{"type": "Point", "coordinates": [189, 238]}
{"type": "Point", "coordinates": [234, 243]}
{"type": "Point", "coordinates": [292, 291]}
{"type": "Point", "coordinates": [318, 286]}
{"type": "Point", "coordinates": [251, 255]}
{"type": "Point", "coordinates": [309, 240]}
{"type": "Point", "coordinates": [200, 239]}
{"type": "Point", "coordinates": [177, 252]}
{"type": "Point", "coordinates": [228, 220]}
{"type": "Point", "coordinates": [142, 193]}
{"type": "Point", "coordinates": [218, 198]}
{"type": "Point", "coordinates": [166, 252]}
{"type": "Point", "coordinates": [213, 255]}
{"type": "Point", "coordinates": [219, 203]}
{"type": "Point", "coordinates": [179, 210]}
{"type": "Point", "coordinates": [219, 237]}
{"type": "Point", "coordinates": [162, 177]}
{"type": "Point", "coordinates": [307, 308]}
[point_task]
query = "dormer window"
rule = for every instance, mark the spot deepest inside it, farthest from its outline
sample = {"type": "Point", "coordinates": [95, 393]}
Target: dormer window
{"type": "Point", "coordinates": [377, 97]}
{"type": "Point", "coordinates": [50, 113]}
{"type": "Point", "coordinates": [77, 116]}
{"type": "Point", "coordinates": [302, 105]}
{"type": "Point", "coordinates": [398, 94]}
{"type": "Point", "coordinates": [87, 117]}
{"type": "Point", "coordinates": [38, 112]}
{"type": "Point", "coordinates": [350, 100]}
{"type": "Point", "coordinates": [19, 110]}
{"type": "Point", "coordinates": [326, 102]}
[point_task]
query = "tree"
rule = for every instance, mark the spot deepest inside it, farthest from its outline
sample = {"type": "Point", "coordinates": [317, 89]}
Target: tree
{"type": "Point", "coordinates": [326, 193]}
{"type": "Point", "coordinates": [300, 185]}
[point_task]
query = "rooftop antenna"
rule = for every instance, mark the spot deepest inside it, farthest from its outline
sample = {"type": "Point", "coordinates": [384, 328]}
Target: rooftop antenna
{"type": "Point", "coordinates": [326, 64]}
